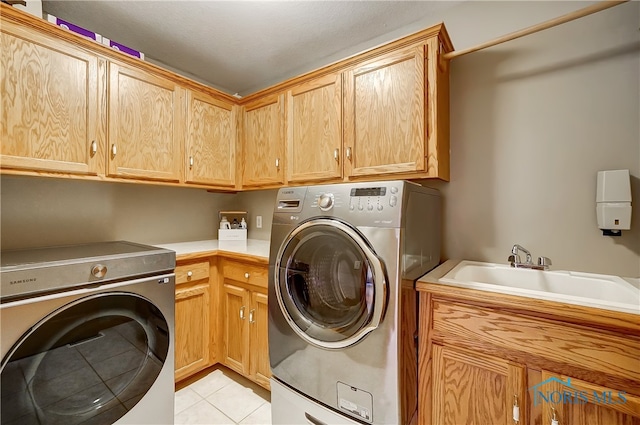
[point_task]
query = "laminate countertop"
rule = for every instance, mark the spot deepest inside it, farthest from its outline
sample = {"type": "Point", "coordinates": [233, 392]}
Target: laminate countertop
{"type": "Point", "coordinates": [251, 248]}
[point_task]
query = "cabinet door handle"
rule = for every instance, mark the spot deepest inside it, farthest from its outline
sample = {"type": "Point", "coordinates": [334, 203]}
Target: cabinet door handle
{"type": "Point", "coordinates": [349, 154]}
{"type": "Point", "coordinates": [251, 315]}
{"type": "Point", "coordinates": [191, 161]}
{"type": "Point", "coordinates": [554, 419]}
{"type": "Point", "coordinates": [246, 275]}
{"type": "Point", "coordinates": [94, 148]}
{"type": "Point", "coordinates": [516, 410]}
{"type": "Point", "coordinates": [336, 154]}
{"type": "Point", "coordinates": [242, 313]}
{"type": "Point", "coordinates": [114, 150]}
{"type": "Point", "coordinates": [277, 162]}
{"type": "Point", "coordinates": [189, 273]}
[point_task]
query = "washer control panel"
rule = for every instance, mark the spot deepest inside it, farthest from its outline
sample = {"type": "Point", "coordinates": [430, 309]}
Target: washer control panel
{"type": "Point", "coordinates": [360, 204]}
{"type": "Point", "coordinates": [364, 199]}
{"type": "Point", "coordinates": [373, 199]}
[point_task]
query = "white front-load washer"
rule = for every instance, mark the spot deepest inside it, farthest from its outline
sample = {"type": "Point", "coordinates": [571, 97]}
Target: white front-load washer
{"type": "Point", "coordinates": [342, 303]}
{"type": "Point", "coordinates": [87, 335]}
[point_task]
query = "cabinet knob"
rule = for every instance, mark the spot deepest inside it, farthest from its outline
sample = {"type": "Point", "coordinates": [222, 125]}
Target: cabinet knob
{"type": "Point", "coordinates": [114, 150]}
{"type": "Point", "coordinates": [189, 273]}
{"type": "Point", "coordinates": [349, 154]}
{"type": "Point", "coordinates": [94, 148]}
{"type": "Point", "coordinates": [191, 161]}
{"type": "Point", "coordinates": [242, 313]}
{"type": "Point", "coordinates": [246, 275]}
{"type": "Point", "coordinates": [277, 162]}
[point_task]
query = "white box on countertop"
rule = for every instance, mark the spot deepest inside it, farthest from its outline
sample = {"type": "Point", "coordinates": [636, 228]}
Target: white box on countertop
{"type": "Point", "coordinates": [232, 234]}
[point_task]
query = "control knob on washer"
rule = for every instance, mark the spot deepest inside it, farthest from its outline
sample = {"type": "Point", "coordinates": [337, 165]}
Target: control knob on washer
{"type": "Point", "coordinates": [99, 270]}
{"type": "Point", "coordinates": [326, 201]}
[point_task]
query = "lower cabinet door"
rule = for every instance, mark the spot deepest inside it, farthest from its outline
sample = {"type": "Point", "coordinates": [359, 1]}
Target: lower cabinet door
{"type": "Point", "coordinates": [260, 367]}
{"type": "Point", "coordinates": [572, 401]}
{"type": "Point", "coordinates": [236, 333]}
{"type": "Point", "coordinates": [469, 388]}
{"type": "Point", "coordinates": [192, 329]}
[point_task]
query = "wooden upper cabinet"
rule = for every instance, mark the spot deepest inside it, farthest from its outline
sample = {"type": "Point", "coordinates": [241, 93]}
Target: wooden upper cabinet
{"type": "Point", "coordinates": [210, 146]}
{"type": "Point", "coordinates": [73, 107]}
{"type": "Point", "coordinates": [146, 125]}
{"type": "Point", "coordinates": [263, 142]}
{"type": "Point", "coordinates": [314, 130]}
{"type": "Point", "coordinates": [384, 114]}
{"type": "Point", "coordinates": [50, 101]}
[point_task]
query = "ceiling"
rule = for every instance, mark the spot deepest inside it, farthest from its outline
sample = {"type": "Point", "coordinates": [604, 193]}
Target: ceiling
{"type": "Point", "coordinates": [243, 46]}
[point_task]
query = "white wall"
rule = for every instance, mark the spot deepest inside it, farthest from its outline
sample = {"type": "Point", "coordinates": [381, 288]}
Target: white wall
{"type": "Point", "coordinates": [262, 203]}
{"type": "Point", "coordinates": [45, 211]}
{"type": "Point", "coordinates": [532, 121]}
{"type": "Point", "coordinates": [42, 211]}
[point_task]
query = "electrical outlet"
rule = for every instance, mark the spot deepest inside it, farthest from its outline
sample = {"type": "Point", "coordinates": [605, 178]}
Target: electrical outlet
{"type": "Point", "coordinates": [259, 221]}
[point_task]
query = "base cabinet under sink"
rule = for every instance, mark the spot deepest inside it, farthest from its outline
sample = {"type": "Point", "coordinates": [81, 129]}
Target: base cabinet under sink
{"type": "Point", "coordinates": [501, 360]}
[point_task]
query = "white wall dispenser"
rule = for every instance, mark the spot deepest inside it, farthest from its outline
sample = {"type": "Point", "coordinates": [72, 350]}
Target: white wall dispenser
{"type": "Point", "coordinates": [613, 202]}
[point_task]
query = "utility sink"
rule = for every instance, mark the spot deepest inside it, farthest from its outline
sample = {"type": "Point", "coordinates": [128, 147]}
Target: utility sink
{"type": "Point", "coordinates": [593, 290]}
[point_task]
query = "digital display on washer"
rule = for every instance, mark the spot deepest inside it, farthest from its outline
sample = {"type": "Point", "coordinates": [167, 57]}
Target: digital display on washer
{"type": "Point", "coordinates": [369, 191]}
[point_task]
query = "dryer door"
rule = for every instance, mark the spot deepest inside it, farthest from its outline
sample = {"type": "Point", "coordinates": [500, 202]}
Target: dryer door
{"type": "Point", "coordinates": [90, 360]}
{"type": "Point", "coordinates": [330, 284]}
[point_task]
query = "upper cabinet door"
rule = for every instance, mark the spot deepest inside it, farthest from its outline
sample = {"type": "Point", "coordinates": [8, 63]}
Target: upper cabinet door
{"type": "Point", "coordinates": [146, 124]}
{"type": "Point", "coordinates": [384, 114]}
{"type": "Point", "coordinates": [263, 140]}
{"type": "Point", "coordinates": [211, 141]}
{"type": "Point", "coordinates": [49, 104]}
{"type": "Point", "coordinates": [314, 130]}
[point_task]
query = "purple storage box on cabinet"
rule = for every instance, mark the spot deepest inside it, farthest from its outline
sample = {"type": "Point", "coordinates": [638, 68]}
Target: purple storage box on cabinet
{"type": "Point", "coordinates": [74, 28]}
{"type": "Point", "coordinates": [122, 48]}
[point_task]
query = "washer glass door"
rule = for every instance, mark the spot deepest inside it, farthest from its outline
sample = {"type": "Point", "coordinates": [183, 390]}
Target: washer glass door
{"type": "Point", "coordinates": [94, 358]}
{"type": "Point", "coordinates": [330, 285]}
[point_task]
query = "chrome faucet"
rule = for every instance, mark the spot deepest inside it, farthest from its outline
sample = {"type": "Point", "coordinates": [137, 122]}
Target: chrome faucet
{"type": "Point", "coordinates": [514, 260]}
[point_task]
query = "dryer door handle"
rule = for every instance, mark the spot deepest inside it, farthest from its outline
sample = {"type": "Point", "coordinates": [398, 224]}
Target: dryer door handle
{"type": "Point", "coordinates": [312, 420]}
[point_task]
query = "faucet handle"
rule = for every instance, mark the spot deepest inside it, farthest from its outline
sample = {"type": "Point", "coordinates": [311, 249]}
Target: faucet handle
{"type": "Point", "coordinates": [544, 261]}
{"type": "Point", "coordinates": [514, 259]}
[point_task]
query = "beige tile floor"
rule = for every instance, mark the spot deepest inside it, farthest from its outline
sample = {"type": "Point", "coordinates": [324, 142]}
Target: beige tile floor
{"type": "Point", "coordinates": [223, 397]}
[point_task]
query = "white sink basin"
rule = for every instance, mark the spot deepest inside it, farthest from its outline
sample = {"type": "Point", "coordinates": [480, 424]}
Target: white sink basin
{"type": "Point", "coordinates": [593, 290]}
